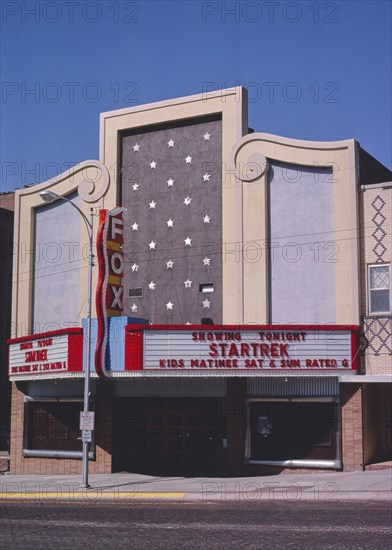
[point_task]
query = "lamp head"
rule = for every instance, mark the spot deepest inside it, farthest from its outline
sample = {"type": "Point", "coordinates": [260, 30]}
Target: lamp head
{"type": "Point", "coordinates": [49, 196]}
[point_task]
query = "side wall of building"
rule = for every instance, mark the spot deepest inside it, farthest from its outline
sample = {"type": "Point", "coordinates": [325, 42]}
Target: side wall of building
{"type": "Point", "coordinates": [376, 250]}
{"type": "Point", "coordinates": [6, 258]}
{"type": "Point", "coordinates": [376, 347]}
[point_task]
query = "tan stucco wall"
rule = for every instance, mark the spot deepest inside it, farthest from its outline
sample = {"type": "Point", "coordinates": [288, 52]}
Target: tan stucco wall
{"type": "Point", "coordinates": [341, 156]}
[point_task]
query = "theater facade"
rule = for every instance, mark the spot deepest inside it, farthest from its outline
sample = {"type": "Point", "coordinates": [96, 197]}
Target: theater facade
{"type": "Point", "coordinates": [242, 322]}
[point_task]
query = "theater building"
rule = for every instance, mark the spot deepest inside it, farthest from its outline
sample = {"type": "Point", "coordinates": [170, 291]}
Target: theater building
{"type": "Point", "coordinates": [247, 295]}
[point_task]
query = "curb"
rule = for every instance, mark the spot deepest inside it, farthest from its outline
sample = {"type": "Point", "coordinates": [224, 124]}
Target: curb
{"type": "Point", "coordinates": [124, 497]}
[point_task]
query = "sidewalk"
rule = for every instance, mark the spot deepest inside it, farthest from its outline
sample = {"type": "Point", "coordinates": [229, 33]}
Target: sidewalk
{"type": "Point", "coordinates": [126, 487]}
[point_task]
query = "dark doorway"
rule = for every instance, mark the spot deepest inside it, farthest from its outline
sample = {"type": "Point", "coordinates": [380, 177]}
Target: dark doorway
{"type": "Point", "coordinates": [168, 436]}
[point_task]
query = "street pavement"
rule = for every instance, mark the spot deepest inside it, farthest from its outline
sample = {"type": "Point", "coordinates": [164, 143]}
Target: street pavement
{"type": "Point", "coordinates": [123, 487]}
{"type": "Point", "coordinates": [169, 525]}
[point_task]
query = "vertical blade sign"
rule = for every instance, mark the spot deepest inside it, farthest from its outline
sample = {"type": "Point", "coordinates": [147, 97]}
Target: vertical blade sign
{"type": "Point", "coordinates": [109, 295]}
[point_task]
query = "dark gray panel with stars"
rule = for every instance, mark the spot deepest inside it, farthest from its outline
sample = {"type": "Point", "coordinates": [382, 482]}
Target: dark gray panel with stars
{"type": "Point", "coordinates": [172, 189]}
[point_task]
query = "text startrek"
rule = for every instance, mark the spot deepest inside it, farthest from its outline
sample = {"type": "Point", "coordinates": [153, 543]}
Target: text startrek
{"type": "Point", "coordinates": [271, 350]}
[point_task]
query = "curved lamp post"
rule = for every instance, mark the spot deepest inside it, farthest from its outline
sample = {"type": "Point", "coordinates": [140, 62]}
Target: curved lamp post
{"type": "Point", "coordinates": [49, 197]}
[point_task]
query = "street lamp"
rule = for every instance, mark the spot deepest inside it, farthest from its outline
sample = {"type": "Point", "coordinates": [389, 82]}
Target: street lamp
{"type": "Point", "coordinates": [49, 197]}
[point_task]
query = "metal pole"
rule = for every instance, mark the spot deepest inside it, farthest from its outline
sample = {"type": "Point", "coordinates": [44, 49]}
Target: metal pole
{"type": "Point", "coordinates": [49, 197]}
{"type": "Point", "coordinates": [86, 444]}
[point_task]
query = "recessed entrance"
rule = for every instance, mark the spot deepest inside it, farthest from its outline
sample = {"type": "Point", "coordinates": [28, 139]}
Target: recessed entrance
{"type": "Point", "coordinates": [169, 436]}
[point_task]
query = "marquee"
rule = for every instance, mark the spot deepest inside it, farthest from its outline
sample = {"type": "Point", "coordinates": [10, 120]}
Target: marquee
{"type": "Point", "coordinates": [255, 349]}
{"type": "Point", "coordinates": [54, 354]}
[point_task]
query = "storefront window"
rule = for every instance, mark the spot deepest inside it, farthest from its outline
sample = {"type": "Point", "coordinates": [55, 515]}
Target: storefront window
{"type": "Point", "coordinates": [52, 427]}
{"type": "Point", "coordinates": [379, 288]}
{"type": "Point", "coordinates": [281, 431]}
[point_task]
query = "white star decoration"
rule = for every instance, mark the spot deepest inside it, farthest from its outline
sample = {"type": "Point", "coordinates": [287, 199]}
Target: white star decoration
{"type": "Point", "coordinates": [206, 261]}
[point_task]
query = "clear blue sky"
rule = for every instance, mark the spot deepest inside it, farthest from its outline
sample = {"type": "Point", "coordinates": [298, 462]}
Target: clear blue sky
{"type": "Point", "coordinates": [314, 70]}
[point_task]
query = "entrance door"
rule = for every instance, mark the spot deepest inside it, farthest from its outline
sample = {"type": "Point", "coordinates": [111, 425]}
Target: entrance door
{"type": "Point", "coordinates": [168, 436]}
{"type": "Point", "coordinates": [184, 442]}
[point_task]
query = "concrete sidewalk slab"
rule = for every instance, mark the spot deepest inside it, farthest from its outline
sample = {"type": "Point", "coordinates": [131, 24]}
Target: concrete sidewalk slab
{"type": "Point", "coordinates": [124, 487]}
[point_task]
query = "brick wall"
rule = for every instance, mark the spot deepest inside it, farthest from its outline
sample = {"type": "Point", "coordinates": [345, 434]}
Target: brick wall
{"type": "Point", "coordinates": [7, 200]}
{"type": "Point", "coordinates": [352, 441]}
{"type": "Point", "coordinates": [63, 466]}
{"type": "Point", "coordinates": [103, 431]}
{"type": "Point", "coordinates": [352, 422]}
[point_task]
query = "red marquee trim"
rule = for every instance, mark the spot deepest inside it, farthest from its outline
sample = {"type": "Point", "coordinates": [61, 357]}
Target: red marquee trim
{"type": "Point", "coordinates": [42, 335]}
{"type": "Point", "coordinates": [210, 328]}
{"type": "Point", "coordinates": [134, 340]}
{"type": "Point", "coordinates": [355, 350]}
{"type": "Point", "coordinates": [75, 353]}
{"type": "Point", "coordinates": [100, 295]}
